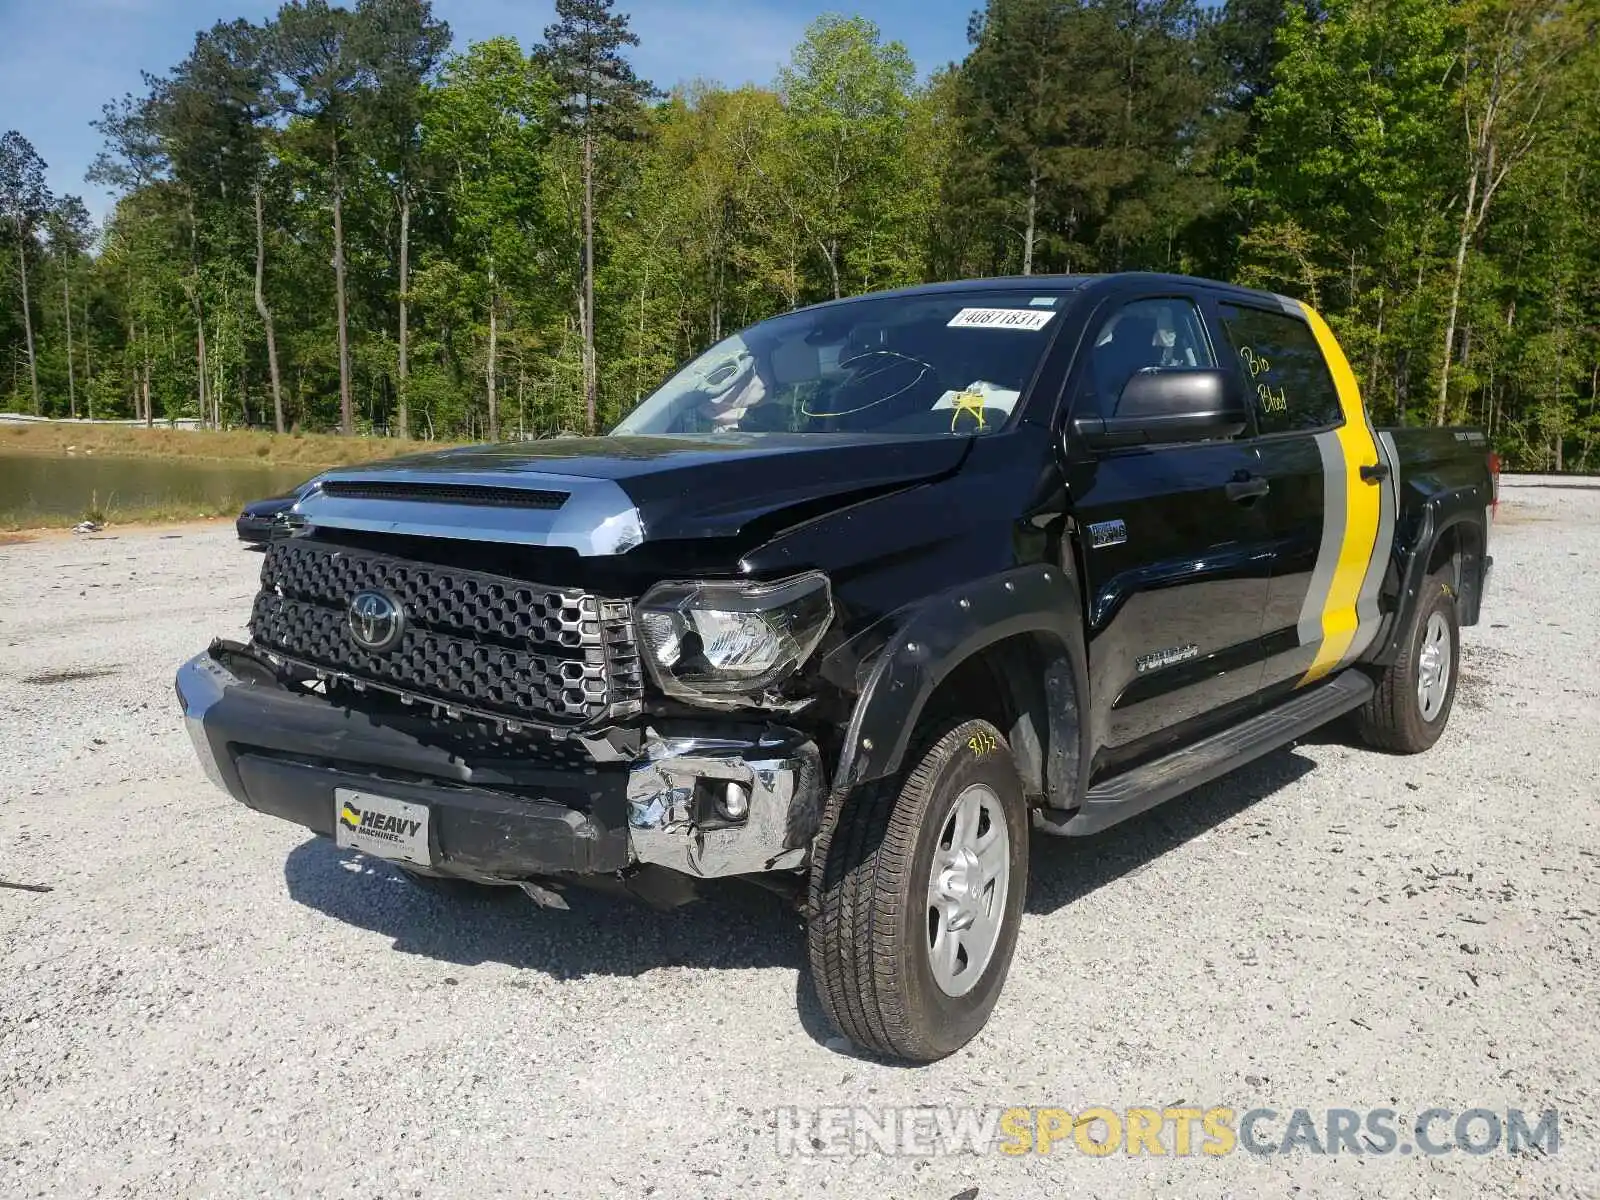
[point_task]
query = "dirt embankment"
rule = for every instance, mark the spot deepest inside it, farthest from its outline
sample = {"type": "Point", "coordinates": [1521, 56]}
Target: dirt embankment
{"type": "Point", "coordinates": [230, 445]}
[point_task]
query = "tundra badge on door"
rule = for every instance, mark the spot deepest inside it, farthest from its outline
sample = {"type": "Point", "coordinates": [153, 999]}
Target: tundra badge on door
{"type": "Point", "coordinates": [1107, 533]}
{"type": "Point", "coordinates": [1157, 659]}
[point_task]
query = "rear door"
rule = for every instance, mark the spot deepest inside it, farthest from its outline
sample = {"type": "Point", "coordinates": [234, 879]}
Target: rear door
{"type": "Point", "coordinates": [1331, 520]}
{"type": "Point", "coordinates": [1175, 558]}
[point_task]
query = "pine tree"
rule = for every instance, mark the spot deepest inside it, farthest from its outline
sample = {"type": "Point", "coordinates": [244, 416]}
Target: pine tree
{"type": "Point", "coordinates": [313, 47]}
{"type": "Point", "coordinates": [24, 201]}
{"type": "Point", "coordinates": [599, 96]}
{"type": "Point", "coordinates": [400, 45]}
{"type": "Point", "coordinates": [490, 136]}
{"type": "Point", "coordinates": [71, 232]}
{"type": "Point", "coordinates": [211, 117]}
{"type": "Point", "coordinates": [1091, 131]}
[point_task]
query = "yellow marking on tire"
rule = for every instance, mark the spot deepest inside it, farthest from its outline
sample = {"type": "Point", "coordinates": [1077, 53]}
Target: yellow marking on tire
{"type": "Point", "coordinates": [1357, 448]}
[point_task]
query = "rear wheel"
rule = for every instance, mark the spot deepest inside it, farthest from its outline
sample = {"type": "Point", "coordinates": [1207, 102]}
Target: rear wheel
{"type": "Point", "coordinates": [1415, 693]}
{"type": "Point", "coordinates": [917, 891]}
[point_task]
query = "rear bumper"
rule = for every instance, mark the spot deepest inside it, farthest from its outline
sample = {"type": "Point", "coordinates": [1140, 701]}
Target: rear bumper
{"type": "Point", "coordinates": [285, 753]}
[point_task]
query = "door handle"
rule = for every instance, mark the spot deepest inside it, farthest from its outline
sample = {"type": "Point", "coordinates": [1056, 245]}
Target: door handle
{"type": "Point", "coordinates": [1374, 472]}
{"type": "Point", "coordinates": [1243, 488]}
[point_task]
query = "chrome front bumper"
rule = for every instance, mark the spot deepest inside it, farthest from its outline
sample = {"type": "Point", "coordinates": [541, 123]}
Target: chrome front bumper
{"type": "Point", "coordinates": [672, 800]}
{"type": "Point", "coordinates": [201, 682]}
{"type": "Point", "coordinates": [721, 806]}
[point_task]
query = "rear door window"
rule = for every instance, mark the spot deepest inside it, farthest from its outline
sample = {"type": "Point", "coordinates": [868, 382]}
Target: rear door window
{"type": "Point", "coordinates": [1283, 369]}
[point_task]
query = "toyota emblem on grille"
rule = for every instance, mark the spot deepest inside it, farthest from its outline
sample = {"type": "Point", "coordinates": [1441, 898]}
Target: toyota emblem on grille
{"type": "Point", "coordinates": [376, 621]}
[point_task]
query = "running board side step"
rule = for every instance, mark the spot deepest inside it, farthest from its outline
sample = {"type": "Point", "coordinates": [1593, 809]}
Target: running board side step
{"type": "Point", "coordinates": [1132, 792]}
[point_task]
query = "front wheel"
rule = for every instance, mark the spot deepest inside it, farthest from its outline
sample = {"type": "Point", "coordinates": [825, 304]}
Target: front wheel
{"type": "Point", "coordinates": [1409, 709]}
{"type": "Point", "coordinates": [917, 890]}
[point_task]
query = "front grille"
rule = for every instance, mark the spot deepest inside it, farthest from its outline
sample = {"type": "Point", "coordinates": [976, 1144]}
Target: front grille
{"type": "Point", "coordinates": [480, 643]}
{"type": "Point", "coordinates": [444, 493]}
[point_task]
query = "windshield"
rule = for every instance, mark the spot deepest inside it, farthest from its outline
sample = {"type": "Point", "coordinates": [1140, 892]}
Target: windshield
{"type": "Point", "coordinates": [955, 363]}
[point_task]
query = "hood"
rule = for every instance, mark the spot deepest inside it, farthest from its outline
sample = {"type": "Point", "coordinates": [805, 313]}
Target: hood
{"type": "Point", "coordinates": [606, 495]}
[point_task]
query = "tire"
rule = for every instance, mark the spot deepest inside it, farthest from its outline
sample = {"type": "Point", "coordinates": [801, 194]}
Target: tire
{"type": "Point", "coordinates": [1398, 717]}
{"type": "Point", "coordinates": [874, 928]}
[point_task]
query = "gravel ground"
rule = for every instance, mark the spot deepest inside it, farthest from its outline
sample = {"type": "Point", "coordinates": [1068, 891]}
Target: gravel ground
{"type": "Point", "coordinates": [212, 1002]}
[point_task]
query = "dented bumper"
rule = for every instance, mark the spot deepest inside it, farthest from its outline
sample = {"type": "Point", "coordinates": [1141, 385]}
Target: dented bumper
{"type": "Point", "coordinates": [697, 802]}
{"type": "Point", "coordinates": [710, 806]}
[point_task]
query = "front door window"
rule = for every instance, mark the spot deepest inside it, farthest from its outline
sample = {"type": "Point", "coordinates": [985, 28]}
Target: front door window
{"type": "Point", "coordinates": [1161, 333]}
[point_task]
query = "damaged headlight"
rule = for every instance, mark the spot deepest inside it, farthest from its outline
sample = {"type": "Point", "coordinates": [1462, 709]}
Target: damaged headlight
{"type": "Point", "coordinates": [712, 640]}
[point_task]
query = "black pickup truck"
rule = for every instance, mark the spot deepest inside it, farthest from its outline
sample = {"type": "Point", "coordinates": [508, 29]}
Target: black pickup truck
{"type": "Point", "coordinates": [853, 604]}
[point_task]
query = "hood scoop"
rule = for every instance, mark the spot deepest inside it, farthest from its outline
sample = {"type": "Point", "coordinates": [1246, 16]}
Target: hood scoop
{"type": "Point", "coordinates": [483, 495]}
{"type": "Point", "coordinates": [541, 508]}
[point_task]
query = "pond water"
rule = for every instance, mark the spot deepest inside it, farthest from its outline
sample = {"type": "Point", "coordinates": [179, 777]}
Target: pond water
{"type": "Point", "coordinates": [37, 485]}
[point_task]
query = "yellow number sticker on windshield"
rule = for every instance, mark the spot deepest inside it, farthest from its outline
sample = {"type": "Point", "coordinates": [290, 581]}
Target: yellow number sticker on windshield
{"type": "Point", "coordinates": [970, 403]}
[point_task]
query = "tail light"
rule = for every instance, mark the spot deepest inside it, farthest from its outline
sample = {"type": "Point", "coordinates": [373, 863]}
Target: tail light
{"type": "Point", "coordinates": [1494, 484]}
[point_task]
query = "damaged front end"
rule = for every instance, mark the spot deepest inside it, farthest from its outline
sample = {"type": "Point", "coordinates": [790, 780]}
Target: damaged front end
{"type": "Point", "coordinates": [624, 728]}
{"type": "Point", "coordinates": [629, 807]}
{"type": "Point", "coordinates": [711, 806]}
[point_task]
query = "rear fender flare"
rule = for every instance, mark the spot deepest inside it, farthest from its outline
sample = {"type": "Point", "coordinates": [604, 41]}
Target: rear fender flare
{"type": "Point", "coordinates": [1441, 513]}
{"type": "Point", "coordinates": [943, 632]}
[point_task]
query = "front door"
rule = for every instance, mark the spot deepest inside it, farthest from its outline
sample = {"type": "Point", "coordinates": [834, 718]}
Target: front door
{"type": "Point", "coordinates": [1174, 544]}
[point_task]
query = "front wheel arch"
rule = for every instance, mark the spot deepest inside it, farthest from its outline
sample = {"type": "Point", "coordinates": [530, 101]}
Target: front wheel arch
{"type": "Point", "coordinates": [1023, 686]}
{"type": "Point", "coordinates": [1025, 625]}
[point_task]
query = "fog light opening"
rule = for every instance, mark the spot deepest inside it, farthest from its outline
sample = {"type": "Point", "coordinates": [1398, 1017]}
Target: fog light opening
{"type": "Point", "coordinates": [735, 802]}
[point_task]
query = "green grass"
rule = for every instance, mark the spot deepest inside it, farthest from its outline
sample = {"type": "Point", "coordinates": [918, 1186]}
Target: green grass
{"type": "Point", "coordinates": [310, 450]}
{"type": "Point", "coordinates": [109, 514]}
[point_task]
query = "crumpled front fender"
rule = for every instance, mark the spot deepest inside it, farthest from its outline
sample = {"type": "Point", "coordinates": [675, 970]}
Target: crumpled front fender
{"type": "Point", "coordinates": [938, 635]}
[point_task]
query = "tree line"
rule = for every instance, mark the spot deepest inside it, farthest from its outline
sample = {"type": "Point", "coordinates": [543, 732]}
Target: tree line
{"type": "Point", "coordinates": [337, 219]}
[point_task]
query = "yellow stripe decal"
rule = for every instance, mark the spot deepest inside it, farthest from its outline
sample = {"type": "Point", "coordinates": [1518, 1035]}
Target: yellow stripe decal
{"type": "Point", "coordinates": [1368, 609]}
{"type": "Point", "coordinates": [1357, 449]}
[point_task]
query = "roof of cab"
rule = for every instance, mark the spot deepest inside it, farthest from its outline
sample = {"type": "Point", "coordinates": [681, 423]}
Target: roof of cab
{"type": "Point", "coordinates": [1060, 284]}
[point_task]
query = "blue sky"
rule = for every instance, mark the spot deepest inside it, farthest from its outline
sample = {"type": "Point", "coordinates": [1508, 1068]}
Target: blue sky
{"type": "Point", "coordinates": [60, 60]}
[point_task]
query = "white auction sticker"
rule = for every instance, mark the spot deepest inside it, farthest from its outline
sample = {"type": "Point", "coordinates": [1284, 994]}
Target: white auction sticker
{"type": "Point", "coordinates": [1001, 318]}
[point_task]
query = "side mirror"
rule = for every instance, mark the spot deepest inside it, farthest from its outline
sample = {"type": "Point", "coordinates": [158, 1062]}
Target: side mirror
{"type": "Point", "coordinates": [1187, 404]}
